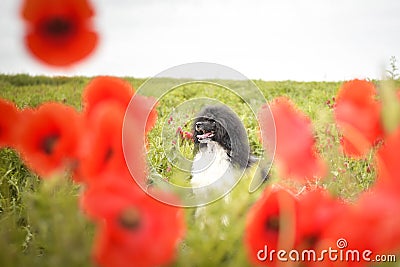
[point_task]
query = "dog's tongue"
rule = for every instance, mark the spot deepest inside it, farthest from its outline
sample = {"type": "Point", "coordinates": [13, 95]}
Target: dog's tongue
{"type": "Point", "coordinates": [206, 135]}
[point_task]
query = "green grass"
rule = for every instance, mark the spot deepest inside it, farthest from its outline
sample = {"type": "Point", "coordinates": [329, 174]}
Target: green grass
{"type": "Point", "coordinates": [40, 221]}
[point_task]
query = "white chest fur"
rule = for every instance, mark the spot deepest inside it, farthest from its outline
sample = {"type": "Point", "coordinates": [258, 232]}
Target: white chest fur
{"type": "Point", "coordinates": [211, 169]}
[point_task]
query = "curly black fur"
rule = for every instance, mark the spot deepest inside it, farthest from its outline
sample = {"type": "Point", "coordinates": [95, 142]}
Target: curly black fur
{"type": "Point", "coordinates": [220, 124]}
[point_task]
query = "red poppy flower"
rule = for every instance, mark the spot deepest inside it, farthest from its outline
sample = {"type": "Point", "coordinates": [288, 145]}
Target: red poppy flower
{"type": "Point", "coordinates": [9, 120]}
{"type": "Point", "coordinates": [134, 229]}
{"type": "Point", "coordinates": [388, 164]}
{"type": "Point", "coordinates": [106, 89]}
{"type": "Point", "coordinates": [317, 210]}
{"type": "Point", "coordinates": [336, 237]}
{"type": "Point", "coordinates": [59, 32]}
{"type": "Point", "coordinates": [105, 101]}
{"type": "Point", "coordinates": [101, 146]}
{"type": "Point", "coordinates": [270, 222]}
{"type": "Point", "coordinates": [357, 115]}
{"type": "Point", "coordinates": [49, 137]}
{"type": "Point", "coordinates": [295, 153]}
{"type": "Point", "coordinates": [112, 89]}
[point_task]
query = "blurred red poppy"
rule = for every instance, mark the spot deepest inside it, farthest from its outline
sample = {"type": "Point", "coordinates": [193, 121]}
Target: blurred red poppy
{"type": "Point", "coordinates": [49, 137]}
{"type": "Point", "coordinates": [357, 115]}
{"type": "Point", "coordinates": [59, 32]}
{"type": "Point", "coordinates": [112, 89]}
{"type": "Point", "coordinates": [134, 229]}
{"type": "Point", "coordinates": [101, 146]}
{"type": "Point", "coordinates": [270, 222]}
{"type": "Point", "coordinates": [9, 120]}
{"type": "Point", "coordinates": [108, 119]}
{"type": "Point", "coordinates": [388, 164]}
{"type": "Point", "coordinates": [295, 154]}
{"type": "Point", "coordinates": [316, 211]}
{"type": "Point", "coordinates": [106, 89]}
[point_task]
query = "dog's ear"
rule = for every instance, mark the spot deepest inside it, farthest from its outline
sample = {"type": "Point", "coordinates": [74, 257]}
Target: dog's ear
{"type": "Point", "coordinates": [222, 135]}
{"type": "Point", "coordinates": [236, 137]}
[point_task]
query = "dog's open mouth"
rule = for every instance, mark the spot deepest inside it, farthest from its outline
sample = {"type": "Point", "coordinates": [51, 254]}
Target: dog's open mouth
{"type": "Point", "coordinates": [205, 135]}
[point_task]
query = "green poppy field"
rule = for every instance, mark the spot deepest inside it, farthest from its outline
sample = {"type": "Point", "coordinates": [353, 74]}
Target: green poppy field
{"type": "Point", "coordinates": [41, 223]}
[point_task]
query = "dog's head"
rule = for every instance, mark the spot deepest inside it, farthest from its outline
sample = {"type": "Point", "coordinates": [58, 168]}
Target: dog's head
{"type": "Point", "coordinates": [211, 124]}
{"type": "Point", "coordinates": [205, 129]}
{"type": "Point", "coordinates": [220, 124]}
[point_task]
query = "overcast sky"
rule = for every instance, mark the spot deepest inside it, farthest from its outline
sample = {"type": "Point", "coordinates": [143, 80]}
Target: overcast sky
{"type": "Point", "coordinates": [269, 40]}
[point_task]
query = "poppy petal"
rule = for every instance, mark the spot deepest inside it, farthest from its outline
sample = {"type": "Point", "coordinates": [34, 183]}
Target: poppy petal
{"type": "Point", "coordinates": [316, 210]}
{"type": "Point", "coordinates": [295, 153]}
{"type": "Point", "coordinates": [357, 115]}
{"type": "Point", "coordinates": [388, 164]}
{"type": "Point", "coordinates": [9, 120]}
{"type": "Point", "coordinates": [106, 89]}
{"type": "Point", "coordinates": [62, 53]}
{"type": "Point", "coordinates": [101, 143]}
{"type": "Point", "coordinates": [271, 222]}
{"type": "Point", "coordinates": [33, 10]}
